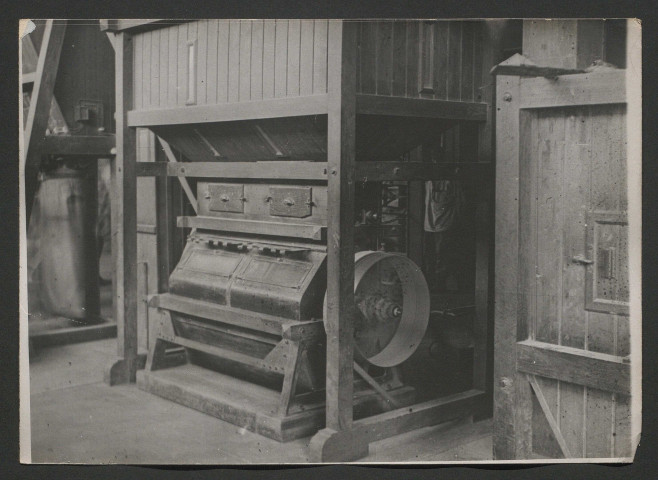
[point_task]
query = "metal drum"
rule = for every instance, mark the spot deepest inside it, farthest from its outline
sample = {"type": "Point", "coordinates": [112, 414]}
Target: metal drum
{"type": "Point", "coordinates": [392, 307]}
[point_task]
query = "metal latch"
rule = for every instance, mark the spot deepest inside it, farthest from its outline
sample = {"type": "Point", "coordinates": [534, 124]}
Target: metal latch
{"type": "Point", "coordinates": [582, 260]}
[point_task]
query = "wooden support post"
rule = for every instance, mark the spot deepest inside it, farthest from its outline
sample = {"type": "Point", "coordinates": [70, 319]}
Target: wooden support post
{"type": "Point", "coordinates": [491, 33]}
{"type": "Point", "coordinates": [336, 442]}
{"type": "Point", "coordinates": [42, 96]}
{"type": "Point", "coordinates": [512, 396]}
{"type": "Point", "coordinates": [481, 367]}
{"type": "Point", "coordinates": [124, 223]}
{"type": "Point", "coordinates": [415, 218]}
{"type": "Point", "coordinates": [92, 293]}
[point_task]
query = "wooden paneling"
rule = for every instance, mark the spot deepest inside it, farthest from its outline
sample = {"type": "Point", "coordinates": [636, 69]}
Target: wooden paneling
{"type": "Point", "coordinates": [235, 61]}
{"type": "Point", "coordinates": [392, 53]}
{"type": "Point", "coordinates": [306, 58]}
{"type": "Point", "coordinates": [247, 60]}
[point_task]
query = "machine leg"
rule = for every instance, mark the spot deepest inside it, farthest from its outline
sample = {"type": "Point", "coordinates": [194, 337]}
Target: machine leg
{"type": "Point", "coordinates": [290, 377]}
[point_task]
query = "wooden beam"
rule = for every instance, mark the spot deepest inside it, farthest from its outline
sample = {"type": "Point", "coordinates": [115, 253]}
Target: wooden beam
{"type": "Point", "coordinates": [27, 78]}
{"type": "Point", "coordinates": [341, 141]}
{"type": "Point", "coordinates": [549, 417]}
{"type": "Point", "coordinates": [89, 145]}
{"type": "Point", "coordinates": [150, 169]}
{"type": "Point", "coordinates": [124, 223]}
{"type": "Point", "coordinates": [390, 401]}
{"type": "Point", "coordinates": [287, 170]}
{"type": "Point", "coordinates": [39, 111]}
{"type": "Point", "coordinates": [284, 170]}
{"type": "Point", "coordinates": [228, 112]}
{"type": "Point", "coordinates": [183, 181]}
{"type": "Point", "coordinates": [416, 210]}
{"type": "Point", "coordinates": [481, 332]}
{"type": "Point", "coordinates": [512, 395]}
{"type": "Point", "coordinates": [432, 412]}
{"type": "Point", "coordinates": [581, 367]}
{"type": "Point", "coordinates": [298, 230]}
{"type": "Point", "coordinates": [595, 88]}
{"type": "Point", "coordinates": [420, 107]}
{"type": "Point", "coordinates": [421, 171]}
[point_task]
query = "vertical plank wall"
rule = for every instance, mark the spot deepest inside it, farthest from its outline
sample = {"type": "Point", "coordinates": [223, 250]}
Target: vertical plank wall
{"type": "Point", "coordinates": [392, 55]}
{"type": "Point", "coordinates": [251, 60]}
{"type": "Point", "coordinates": [234, 61]}
{"type": "Point", "coordinates": [573, 161]}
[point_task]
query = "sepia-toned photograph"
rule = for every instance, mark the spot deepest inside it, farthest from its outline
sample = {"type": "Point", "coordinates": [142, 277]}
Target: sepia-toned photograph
{"type": "Point", "coordinates": [298, 241]}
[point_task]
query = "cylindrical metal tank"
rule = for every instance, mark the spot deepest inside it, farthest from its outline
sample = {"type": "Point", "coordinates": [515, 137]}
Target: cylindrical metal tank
{"type": "Point", "coordinates": [67, 243]}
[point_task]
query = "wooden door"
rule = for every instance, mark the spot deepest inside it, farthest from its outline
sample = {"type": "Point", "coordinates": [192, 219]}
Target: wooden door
{"type": "Point", "coordinates": [562, 356]}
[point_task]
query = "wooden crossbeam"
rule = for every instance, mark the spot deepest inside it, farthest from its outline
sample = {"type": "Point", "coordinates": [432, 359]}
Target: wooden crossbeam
{"type": "Point", "coordinates": [421, 171]}
{"type": "Point", "coordinates": [42, 95]}
{"type": "Point", "coordinates": [88, 145]}
{"type": "Point", "coordinates": [270, 170]}
{"type": "Point", "coordinates": [582, 367]}
{"type": "Point", "coordinates": [230, 112]}
{"type": "Point", "coordinates": [183, 181]}
{"type": "Point", "coordinates": [420, 107]}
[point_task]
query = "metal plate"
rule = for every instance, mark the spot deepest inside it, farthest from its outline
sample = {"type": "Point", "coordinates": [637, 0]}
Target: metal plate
{"type": "Point", "coordinates": [276, 271]}
{"type": "Point", "coordinates": [225, 197]}
{"type": "Point", "coordinates": [290, 202]}
{"type": "Point", "coordinates": [215, 262]}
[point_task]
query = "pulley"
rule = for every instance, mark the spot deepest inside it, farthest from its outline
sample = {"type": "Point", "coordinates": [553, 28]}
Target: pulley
{"type": "Point", "coordinates": [392, 307]}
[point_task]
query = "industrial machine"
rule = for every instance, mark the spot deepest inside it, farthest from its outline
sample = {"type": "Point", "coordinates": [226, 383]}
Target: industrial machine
{"type": "Point", "coordinates": [298, 144]}
{"type": "Point", "coordinates": [247, 298]}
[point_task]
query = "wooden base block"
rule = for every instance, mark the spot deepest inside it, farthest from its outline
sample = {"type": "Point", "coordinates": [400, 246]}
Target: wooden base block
{"type": "Point", "coordinates": [124, 371]}
{"type": "Point", "coordinates": [329, 446]}
{"type": "Point", "coordinates": [248, 405]}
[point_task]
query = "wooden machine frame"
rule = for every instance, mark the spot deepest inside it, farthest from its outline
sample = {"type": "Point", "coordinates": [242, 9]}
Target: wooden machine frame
{"type": "Point", "coordinates": [343, 438]}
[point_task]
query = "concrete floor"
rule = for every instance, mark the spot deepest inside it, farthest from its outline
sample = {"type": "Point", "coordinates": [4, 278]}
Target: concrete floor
{"type": "Point", "coordinates": [76, 418]}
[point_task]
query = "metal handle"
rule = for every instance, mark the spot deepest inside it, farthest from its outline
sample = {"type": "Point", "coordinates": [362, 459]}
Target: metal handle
{"type": "Point", "coordinates": [224, 198]}
{"type": "Point", "coordinates": [582, 260]}
{"type": "Point", "coordinates": [288, 201]}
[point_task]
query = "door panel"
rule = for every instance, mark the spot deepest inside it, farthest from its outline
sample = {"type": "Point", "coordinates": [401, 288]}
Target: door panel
{"type": "Point", "coordinates": [572, 172]}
